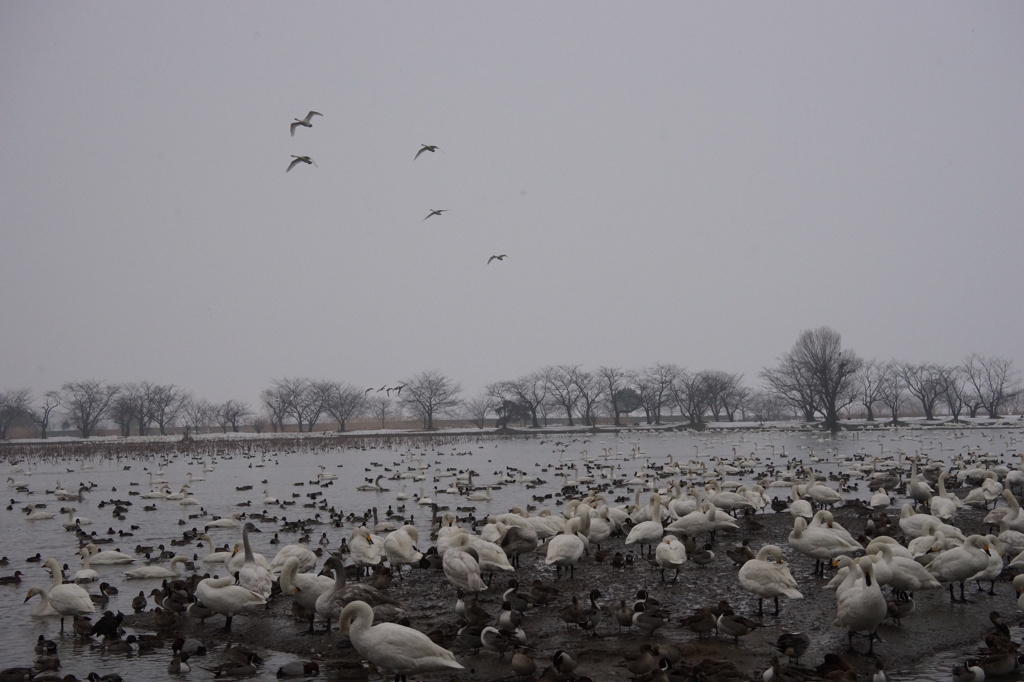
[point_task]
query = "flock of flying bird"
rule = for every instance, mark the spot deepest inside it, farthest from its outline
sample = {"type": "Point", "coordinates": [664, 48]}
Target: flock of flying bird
{"type": "Point", "coordinates": [922, 550]}
{"type": "Point", "coordinates": [307, 122]}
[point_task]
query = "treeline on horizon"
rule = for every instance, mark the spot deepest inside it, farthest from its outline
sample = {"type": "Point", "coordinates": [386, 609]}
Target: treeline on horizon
{"type": "Point", "coordinates": [816, 381]}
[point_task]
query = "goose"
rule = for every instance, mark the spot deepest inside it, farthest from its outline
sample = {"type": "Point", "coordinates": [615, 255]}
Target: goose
{"type": "Point", "coordinates": [767, 575]}
{"type": "Point", "coordinates": [299, 159]}
{"type": "Point", "coordinates": [332, 601]}
{"type": "Point", "coordinates": [960, 563]}
{"type": "Point", "coordinates": [251, 575]}
{"type": "Point", "coordinates": [392, 647]}
{"type": "Point", "coordinates": [107, 557]}
{"type": "Point", "coordinates": [861, 607]}
{"type": "Point", "coordinates": [399, 548]}
{"type": "Point", "coordinates": [66, 599]}
{"type": "Point", "coordinates": [306, 122]}
{"type": "Point", "coordinates": [671, 553]}
{"type": "Point", "coordinates": [303, 588]}
{"type": "Point", "coordinates": [222, 596]}
{"type": "Point", "coordinates": [86, 574]}
{"type": "Point", "coordinates": [154, 572]}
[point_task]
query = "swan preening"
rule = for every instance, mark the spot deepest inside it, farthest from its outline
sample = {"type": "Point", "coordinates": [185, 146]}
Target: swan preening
{"type": "Point", "coordinates": [395, 648]}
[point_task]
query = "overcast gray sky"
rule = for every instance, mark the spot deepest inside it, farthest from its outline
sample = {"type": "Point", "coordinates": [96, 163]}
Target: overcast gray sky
{"type": "Point", "coordinates": [682, 182]}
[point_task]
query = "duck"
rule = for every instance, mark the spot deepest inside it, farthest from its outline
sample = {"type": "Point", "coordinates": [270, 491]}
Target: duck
{"type": "Point", "coordinates": [223, 596]}
{"type": "Point", "coordinates": [393, 647]}
{"type": "Point", "coordinates": [157, 572]}
{"type": "Point", "coordinates": [767, 575]}
{"type": "Point", "coordinates": [793, 645]}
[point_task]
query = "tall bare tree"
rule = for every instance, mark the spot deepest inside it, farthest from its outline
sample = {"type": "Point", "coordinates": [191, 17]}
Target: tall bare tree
{"type": "Point", "coordinates": [590, 389]}
{"type": "Point", "coordinates": [345, 401]}
{"type": "Point", "coordinates": [892, 390]}
{"type": "Point", "coordinates": [478, 408]}
{"type": "Point", "coordinates": [868, 382]}
{"type": "Point", "coordinates": [86, 403]}
{"type": "Point", "coordinates": [923, 381]}
{"type": "Point", "coordinates": [164, 404]}
{"type": "Point", "coordinates": [825, 370]}
{"type": "Point", "coordinates": [614, 380]}
{"type": "Point", "coordinates": [564, 389]}
{"type": "Point", "coordinates": [692, 396]}
{"type": "Point", "coordinates": [530, 391]}
{"type": "Point", "coordinates": [428, 395]}
{"type": "Point", "coordinates": [232, 413]}
{"type": "Point", "coordinates": [654, 384]}
{"type": "Point", "coordinates": [953, 381]}
{"type": "Point", "coordinates": [197, 413]}
{"type": "Point", "coordinates": [41, 416]}
{"type": "Point", "coordinates": [303, 399]}
{"type": "Point", "coordinates": [993, 380]}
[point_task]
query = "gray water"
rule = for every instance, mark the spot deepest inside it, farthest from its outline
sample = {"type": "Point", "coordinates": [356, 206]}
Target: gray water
{"type": "Point", "coordinates": [291, 474]}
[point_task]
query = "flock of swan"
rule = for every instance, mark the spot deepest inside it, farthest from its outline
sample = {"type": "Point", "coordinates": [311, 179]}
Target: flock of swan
{"type": "Point", "coordinates": [619, 522]}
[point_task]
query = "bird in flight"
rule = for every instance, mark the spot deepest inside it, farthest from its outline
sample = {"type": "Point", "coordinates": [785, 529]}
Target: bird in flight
{"type": "Point", "coordinates": [303, 159]}
{"type": "Point", "coordinates": [307, 122]}
{"type": "Point", "coordinates": [435, 211]}
{"type": "Point", "coordinates": [501, 257]}
{"type": "Point", "coordinates": [426, 148]}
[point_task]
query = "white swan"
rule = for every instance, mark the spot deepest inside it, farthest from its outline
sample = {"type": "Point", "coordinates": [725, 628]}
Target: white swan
{"type": "Point", "coordinates": [303, 588]}
{"type": "Point", "coordinates": [214, 556]}
{"type": "Point", "coordinates": [86, 574]}
{"type": "Point", "coordinates": [399, 548]}
{"type": "Point", "coordinates": [565, 549]}
{"type": "Point", "coordinates": [39, 515]}
{"type": "Point", "coordinates": [462, 569]}
{"type": "Point", "coordinates": [820, 544]}
{"type": "Point", "coordinates": [799, 506]}
{"type": "Point", "coordinates": [335, 598]}
{"type": "Point", "coordinates": [222, 596]}
{"type": "Point", "coordinates": [268, 498]}
{"type": "Point", "coordinates": [323, 475]}
{"type": "Point", "coordinates": [479, 496]}
{"type": "Point", "coordinates": [66, 599]}
{"type": "Point", "coordinates": [670, 553]}
{"type": "Point", "coordinates": [304, 555]}
{"type": "Point", "coordinates": [107, 557]}
{"type": "Point", "coordinates": [228, 522]}
{"type": "Point", "coordinates": [366, 550]}
{"type": "Point", "coordinates": [767, 575]}
{"type": "Point", "coordinates": [647, 533]}
{"type": "Point", "coordinates": [880, 500]}
{"type": "Point", "coordinates": [395, 648]}
{"type": "Point", "coordinates": [152, 572]}
{"type": "Point", "coordinates": [960, 563]}
{"type": "Point", "coordinates": [861, 607]}
{"type": "Point", "coordinates": [374, 487]}
{"type": "Point", "coordinates": [251, 575]}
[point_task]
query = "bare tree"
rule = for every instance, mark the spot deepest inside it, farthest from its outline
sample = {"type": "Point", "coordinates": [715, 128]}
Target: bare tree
{"type": "Point", "coordinates": [478, 408]}
{"type": "Point", "coordinates": [767, 406]}
{"type": "Point", "coordinates": [14, 405]}
{"type": "Point", "coordinates": [868, 381]}
{"type": "Point", "coordinates": [344, 402]}
{"type": "Point", "coordinates": [563, 388]}
{"type": "Point", "coordinates": [691, 394]}
{"type": "Point", "coordinates": [86, 403]}
{"type": "Point", "coordinates": [613, 380]}
{"type": "Point", "coordinates": [164, 404]}
{"type": "Point", "coordinates": [232, 413]}
{"type": "Point", "coordinates": [51, 400]}
{"type": "Point", "coordinates": [825, 370]}
{"type": "Point", "coordinates": [590, 389]}
{"type": "Point", "coordinates": [380, 409]}
{"type": "Point", "coordinates": [994, 381]}
{"type": "Point", "coordinates": [953, 382]}
{"type": "Point", "coordinates": [923, 381]}
{"type": "Point", "coordinates": [654, 384]}
{"type": "Point", "coordinates": [303, 399]}
{"type": "Point", "coordinates": [530, 391]}
{"type": "Point", "coordinates": [892, 390]}
{"type": "Point", "coordinates": [276, 407]}
{"type": "Point", "coordinates": [429, 394]}
{"type": "Point", "coordinates": [725, 392]}
{"type": "Point", "coordinates": [793, 383]}
{"type": "Point", "coordinates": [197, 413]}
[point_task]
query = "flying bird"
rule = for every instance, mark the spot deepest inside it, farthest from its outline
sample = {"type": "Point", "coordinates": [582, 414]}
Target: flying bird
{"type": "Point", "coordinates": [426, 148]}
{"type": "Point", "coordinates": [435, 211]}
{"type": "Point", "coordinates": [307, 122]}
{"type": "Point", "coordinates": [303, 159]}
{"type": "Point", "coordinates": [501, 257]}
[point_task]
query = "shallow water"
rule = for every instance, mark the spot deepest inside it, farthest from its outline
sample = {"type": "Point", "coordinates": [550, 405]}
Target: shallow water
{"type": "Point", "coordinates": [290, 474]}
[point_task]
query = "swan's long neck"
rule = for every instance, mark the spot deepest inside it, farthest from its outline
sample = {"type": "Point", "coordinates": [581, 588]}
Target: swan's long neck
{"type": "Point", "coordinates": [249, 558]}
